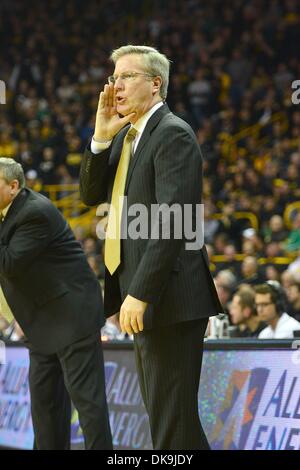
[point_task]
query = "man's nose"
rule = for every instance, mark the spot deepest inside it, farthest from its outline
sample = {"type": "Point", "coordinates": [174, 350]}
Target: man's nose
{"type": "Point", "coordinates": [119, 84]}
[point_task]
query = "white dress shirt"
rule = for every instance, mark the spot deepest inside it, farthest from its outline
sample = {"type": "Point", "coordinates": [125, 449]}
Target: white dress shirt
{"type": "Point", "coordinates": [284, 328]}
{"type": "Point", "coordinates": [97, 147]}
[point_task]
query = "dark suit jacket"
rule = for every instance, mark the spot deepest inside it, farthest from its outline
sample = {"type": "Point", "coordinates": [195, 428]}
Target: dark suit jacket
{"type": "Point", "coordinates": [46, 280]}
{"type": "Point", "coordinates": [166, 168]}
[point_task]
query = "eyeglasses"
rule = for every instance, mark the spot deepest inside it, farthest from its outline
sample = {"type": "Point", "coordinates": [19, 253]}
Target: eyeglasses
{"type": "Point", "coordinates": [127, 76]}
{"type": "Point", "coordinates": [263, 304]}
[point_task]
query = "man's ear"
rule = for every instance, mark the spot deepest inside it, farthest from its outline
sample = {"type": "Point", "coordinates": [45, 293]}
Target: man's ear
{"type": "Point", "coordinates": [15, 186]}
{"type": "Point", "coordinates": [247, 312]}
{"type": "Point", "coordinates": [157, 81]}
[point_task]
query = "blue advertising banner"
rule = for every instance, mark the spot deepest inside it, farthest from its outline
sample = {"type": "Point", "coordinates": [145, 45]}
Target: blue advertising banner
{"type": "Point", "coordinates": [15, 416]}
{"type": "Point", "coordinates": [248, 399]}
{"type": "Point", "coordinates": [251, 399]}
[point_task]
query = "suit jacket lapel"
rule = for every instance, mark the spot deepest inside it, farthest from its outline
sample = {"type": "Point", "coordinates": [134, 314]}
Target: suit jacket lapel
{"type": "Point", "coordinates": [151, 124]}
{"type": "Point", "coordinates": [18, 202]}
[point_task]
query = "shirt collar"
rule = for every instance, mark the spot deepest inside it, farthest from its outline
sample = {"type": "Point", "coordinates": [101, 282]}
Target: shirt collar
{"type": "Point", "coordinates": [142, 122]}
{"type": "Point", "coordinates": [282, 319]}
{"type": "Point", "coordinates": [5, 210]}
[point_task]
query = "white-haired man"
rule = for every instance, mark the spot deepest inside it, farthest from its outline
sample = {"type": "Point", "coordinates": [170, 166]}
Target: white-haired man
{"type": "Point", "coordinates": [163, 291]}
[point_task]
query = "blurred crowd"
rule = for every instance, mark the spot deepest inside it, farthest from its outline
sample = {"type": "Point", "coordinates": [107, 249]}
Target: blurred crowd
{"type": "Point", "coordinates": [233, 64]}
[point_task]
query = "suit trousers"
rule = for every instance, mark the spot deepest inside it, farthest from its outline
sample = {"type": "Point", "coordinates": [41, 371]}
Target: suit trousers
{"type": "Point", "coordinates": [76, 372]}
{"type": "Point", "coordinates": [169, 362]}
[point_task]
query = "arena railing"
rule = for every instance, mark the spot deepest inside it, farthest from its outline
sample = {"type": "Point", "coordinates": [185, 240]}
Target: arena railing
{"type": "Point", "coordinates": [250, 216]}
{"type": "Point", "coordinates": [229, 142]}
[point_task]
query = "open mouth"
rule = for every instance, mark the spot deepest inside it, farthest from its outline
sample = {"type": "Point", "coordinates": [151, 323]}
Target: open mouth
{"type": "Point", "coordinates": [120, 100]}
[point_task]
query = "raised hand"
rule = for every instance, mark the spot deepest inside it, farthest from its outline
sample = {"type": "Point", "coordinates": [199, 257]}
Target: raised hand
{"type": "Point", "coordinates": [108, 121]}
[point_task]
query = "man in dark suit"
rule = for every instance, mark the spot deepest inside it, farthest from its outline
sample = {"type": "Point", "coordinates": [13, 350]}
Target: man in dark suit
{"type": "Point", "coordinates": [163, 291]}
{"type": "Point", "coordinates": [48, 286]}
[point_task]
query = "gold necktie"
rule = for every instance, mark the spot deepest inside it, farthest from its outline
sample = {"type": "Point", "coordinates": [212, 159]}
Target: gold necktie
{"type": "Point", "coordinates": [112, 253]}
{"type": "Point", "coordinates": [5, 310]}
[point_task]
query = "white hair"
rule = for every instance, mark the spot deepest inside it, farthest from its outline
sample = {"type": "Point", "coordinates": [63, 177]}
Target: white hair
{"type": "Point", "coordinates": [156, 63]}
{"type": "Point", "coordinates": [12, 170]}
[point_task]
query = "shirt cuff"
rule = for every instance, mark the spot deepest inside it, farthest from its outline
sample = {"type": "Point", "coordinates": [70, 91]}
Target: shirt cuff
{"type": "Point", "coordinates": [97, 147]}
